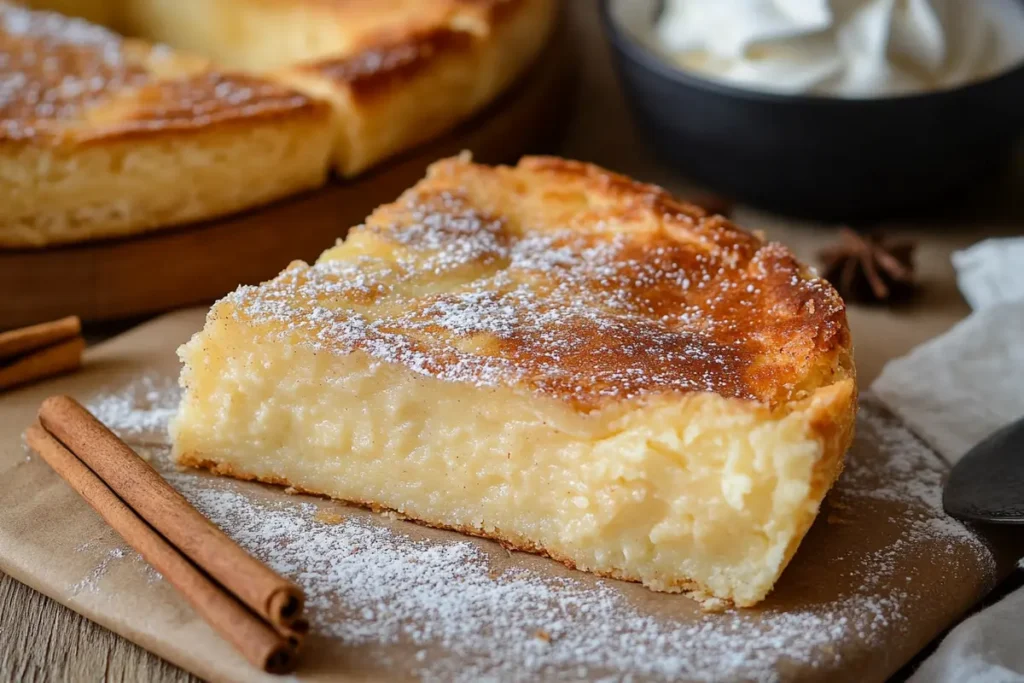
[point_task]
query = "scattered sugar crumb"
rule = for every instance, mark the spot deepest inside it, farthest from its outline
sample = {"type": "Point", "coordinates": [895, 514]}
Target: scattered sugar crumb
{"type": "Point", "coordinates": [91, 582]}
{"type": "Point", "coordinates": [140, 410]}
{"type": "Point", "coordinates": [328, 517]}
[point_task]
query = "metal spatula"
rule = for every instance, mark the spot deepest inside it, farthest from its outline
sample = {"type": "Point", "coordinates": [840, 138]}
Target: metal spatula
{"type": "Point", "coordinates": [987, 485]}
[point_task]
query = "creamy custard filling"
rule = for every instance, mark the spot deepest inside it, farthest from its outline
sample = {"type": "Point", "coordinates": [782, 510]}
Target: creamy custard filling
{"type": "Point", "coordinates": [649, 491]}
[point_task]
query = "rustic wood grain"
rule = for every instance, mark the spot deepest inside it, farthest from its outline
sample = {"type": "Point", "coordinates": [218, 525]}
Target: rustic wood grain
{"type": "Point", "coordinates": [41, 640]}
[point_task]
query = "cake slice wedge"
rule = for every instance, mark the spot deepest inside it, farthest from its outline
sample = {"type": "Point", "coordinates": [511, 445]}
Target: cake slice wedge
{"type": "Point", "coordinates": [550, 355]}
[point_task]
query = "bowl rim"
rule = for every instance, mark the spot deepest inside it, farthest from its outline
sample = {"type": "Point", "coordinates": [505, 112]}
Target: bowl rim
{"type": "Point", "coordinates": [622, 40]}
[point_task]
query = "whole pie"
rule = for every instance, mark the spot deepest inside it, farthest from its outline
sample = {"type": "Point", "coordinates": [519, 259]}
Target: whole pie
{"type": "Point", "coordinates": [103, 135]}
{"type": "Point", "coordinates": [550, 355]}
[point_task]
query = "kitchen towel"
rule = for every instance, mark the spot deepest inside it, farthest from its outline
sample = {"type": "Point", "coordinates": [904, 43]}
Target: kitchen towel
{"type": "Point", "coordinates": [953, 391]}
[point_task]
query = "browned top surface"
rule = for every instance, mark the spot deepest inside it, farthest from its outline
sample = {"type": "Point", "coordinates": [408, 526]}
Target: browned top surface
{"type": "Point", "coordinates": [409, 38]}
{"type": "Point", "coordinates": [65, 77]}
{"type": "Point", "coordinates": [566, 279]}
{"type": "Point", "coordinates": [390, 60]}
{"type": "Point", "coordinates": [397, 16]}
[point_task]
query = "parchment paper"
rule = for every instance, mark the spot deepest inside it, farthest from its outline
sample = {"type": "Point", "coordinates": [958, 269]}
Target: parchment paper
{"type": "Point", "coordinates": [869, 553]}
{"type": "Point", "coordinates": [954, 391]}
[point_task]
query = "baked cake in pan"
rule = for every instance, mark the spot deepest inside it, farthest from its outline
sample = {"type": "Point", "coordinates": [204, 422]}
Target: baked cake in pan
{"type": "Point", "coordinates": [103, 136]}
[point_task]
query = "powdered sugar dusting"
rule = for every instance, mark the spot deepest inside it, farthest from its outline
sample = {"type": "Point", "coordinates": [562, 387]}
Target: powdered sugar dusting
{"type": "Point", "coordinates": [440, 606]}
{"type": "Point", "coordinates": [584, 310]}
{"type": "Point", "coordinates": [912, 472]}
{"type": "Point", "coordinates": [91, 582]}
{"type": "Point", "coordinates": [53, 65]}
{"type": "Point", "coordinates": [445, 595]}
{"type": "Point", "coordinates": [54, 69]}
{"type": "Point", "coordinates": [140, 410]}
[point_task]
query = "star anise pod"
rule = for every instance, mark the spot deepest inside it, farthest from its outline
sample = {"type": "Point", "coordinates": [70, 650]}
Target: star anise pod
{"type": "Point", "coordinates": [870, 268]}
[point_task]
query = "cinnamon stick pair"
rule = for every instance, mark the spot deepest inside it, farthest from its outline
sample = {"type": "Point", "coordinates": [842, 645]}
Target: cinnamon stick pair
{"type": "Point", "coordinates": [39, 351]}
{"type": "Point", "coordinates": [256, 610]}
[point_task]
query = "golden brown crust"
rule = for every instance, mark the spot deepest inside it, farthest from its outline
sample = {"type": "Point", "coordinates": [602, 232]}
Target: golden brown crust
{"type": "Point", "coordinates": [391, 62]}
{"type": "Point", "coordinates": [833, 419]}
{"type": "Point", "coordinates": [58, 69]}
{"type": "Point", "coordinates": [67, 81]}
{"type": "Point", "coordinates": [79, 102]}
{"type": "Point", "coordinates": [400, 51]}
{"type": "Point", "coordinates": [414, 80]}
{"type": "Point", "coordinates": [203, 103]}
{"type": "Point", "coordinates": [401, 15]}
{"type": "Point", "coordinates": [792, 319]}
{"type": "Point", "coordinates": [567, 280]}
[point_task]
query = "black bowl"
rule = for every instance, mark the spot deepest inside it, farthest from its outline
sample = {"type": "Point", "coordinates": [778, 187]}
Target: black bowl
{"type": "Point", "coordinates": [821, 157]}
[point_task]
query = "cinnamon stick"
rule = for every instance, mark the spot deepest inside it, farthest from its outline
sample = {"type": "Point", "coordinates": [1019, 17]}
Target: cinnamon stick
{"type": "Point", "coordinates": [272, 597]}
{"type": "Point", "coordinates": [255, 639]}
{"type": "Point", "coordinates": [18, 342]}
{"type": "Point", "coordinates": [51, 360]}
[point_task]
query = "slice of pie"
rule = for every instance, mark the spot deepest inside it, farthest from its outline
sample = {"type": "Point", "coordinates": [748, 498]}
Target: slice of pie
{"type": "Point", "coordinates": [553, 356]}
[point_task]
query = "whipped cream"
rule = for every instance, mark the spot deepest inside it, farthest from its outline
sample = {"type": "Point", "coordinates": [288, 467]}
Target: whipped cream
{"type": "Point", "coordinates": [843, 48]}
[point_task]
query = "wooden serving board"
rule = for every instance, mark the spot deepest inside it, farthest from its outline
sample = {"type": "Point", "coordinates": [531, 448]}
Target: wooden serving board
{"type": "Point", "coordinates": [880, 574]}
{"type": "Point", "coordinates": [192, 264]}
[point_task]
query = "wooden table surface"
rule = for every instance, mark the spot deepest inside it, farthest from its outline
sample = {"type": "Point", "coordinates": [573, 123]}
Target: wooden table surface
{"type": "Point", "coordinates": [41, 640]}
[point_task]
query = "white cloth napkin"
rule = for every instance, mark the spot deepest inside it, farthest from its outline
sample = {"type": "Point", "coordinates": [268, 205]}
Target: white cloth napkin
{"type": "Point", "coordinates": [953, 391]}
{"type": "Point", "coordinates": [991, 272]}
